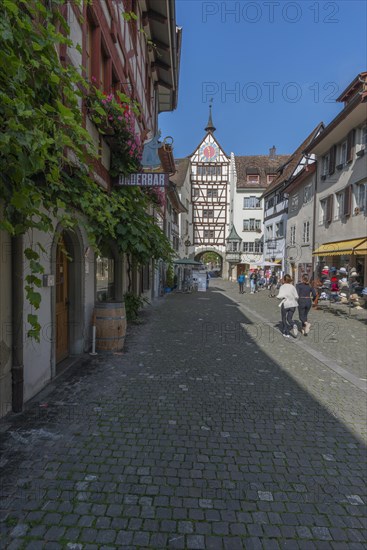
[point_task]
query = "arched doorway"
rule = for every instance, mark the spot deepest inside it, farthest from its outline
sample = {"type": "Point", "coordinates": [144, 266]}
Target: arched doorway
{"type": "Point", "coordinates": [62, 300]}
{"type": "Point", "coordinates": [69, 266]}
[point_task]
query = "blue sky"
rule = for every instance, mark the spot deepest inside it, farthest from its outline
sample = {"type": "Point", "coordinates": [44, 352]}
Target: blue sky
{"type": "Point", "coordinates": [273, 68]}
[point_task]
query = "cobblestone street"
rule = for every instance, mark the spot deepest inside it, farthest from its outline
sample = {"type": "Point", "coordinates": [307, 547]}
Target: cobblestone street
{"type": "Point", "coordinates": [210, 431]}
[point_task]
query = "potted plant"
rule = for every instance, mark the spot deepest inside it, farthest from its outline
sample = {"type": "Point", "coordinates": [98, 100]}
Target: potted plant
{"type": "Point", "coordinates": [169, 279]}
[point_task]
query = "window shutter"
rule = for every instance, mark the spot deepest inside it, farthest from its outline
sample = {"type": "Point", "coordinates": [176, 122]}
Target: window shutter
{"type": "Point", "coordinates": [329, 209]}
{"type": "Point", "coordinates": [332, 159]}
{"type": "Point", "coordinates": [347, 200]}
{"type": "Point", "coordinates": [350, 145]}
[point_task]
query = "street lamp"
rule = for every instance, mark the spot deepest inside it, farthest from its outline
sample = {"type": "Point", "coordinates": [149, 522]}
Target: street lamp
{"type": "Point", "coordinates": [187, 243]}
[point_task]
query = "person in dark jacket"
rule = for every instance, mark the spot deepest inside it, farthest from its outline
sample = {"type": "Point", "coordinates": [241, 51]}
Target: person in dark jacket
{"type": "Point", "coordinates": [253, 281]}
{"type": "Point", "coordinates": [306, 295]}
{"type": "Point", "coordinates": [273, 281]}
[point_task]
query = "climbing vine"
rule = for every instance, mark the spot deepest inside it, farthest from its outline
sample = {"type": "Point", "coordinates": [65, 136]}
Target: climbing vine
{"type": "Point", "coordinates": [46, 153]}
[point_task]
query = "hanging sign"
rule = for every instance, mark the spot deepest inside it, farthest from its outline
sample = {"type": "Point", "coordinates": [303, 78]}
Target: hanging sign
{"type": "Point", "coordinates": [144, 179]}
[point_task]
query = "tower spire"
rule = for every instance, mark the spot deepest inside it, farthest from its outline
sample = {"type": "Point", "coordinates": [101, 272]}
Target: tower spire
{"type": "Point", "coordinates": [210, 126]}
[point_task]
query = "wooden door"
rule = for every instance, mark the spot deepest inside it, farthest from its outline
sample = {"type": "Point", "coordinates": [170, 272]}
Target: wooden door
{"type": "Point", "coordinates": [62, 302]}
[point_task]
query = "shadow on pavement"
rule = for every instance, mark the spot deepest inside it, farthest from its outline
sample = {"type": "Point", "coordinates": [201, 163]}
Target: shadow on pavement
{"type": "Point", "coordinates": [194, 434]}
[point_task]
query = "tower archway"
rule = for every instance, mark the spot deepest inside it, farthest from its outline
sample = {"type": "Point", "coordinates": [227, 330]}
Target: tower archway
{"type": "Point", "coordinates": [212, 259]}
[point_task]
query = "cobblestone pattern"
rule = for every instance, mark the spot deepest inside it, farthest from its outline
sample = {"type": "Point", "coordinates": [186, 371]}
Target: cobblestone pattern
{"type": "Point", "coordinates": [333, 332]}
{"type": "Point", "coordinates": [190, 439]}
{"type": "Point", "coordinates": [341, 398]}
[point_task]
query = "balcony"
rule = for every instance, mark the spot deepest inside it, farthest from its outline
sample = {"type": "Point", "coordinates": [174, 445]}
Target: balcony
{"type": "Point", "coordinates": [233, 257]}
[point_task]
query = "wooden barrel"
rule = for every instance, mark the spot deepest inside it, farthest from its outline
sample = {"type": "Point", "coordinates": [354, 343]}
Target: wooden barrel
{"type": "Point", "coordinates": [110, 319]}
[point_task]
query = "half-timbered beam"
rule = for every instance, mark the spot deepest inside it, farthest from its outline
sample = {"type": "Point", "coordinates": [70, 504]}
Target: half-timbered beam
{"type": "Point", "coordinates": [160, 65]}
{"type": "Point", "coordinates": [164, 84]}
{"type": "Point", "coordinates": [154, 16]}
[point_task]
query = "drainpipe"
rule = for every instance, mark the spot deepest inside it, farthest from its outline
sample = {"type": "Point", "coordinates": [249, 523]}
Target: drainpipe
{"type": "Point", "coordinates": [314, 221]}
{"type": "Point", "coordinates": [17, 369]}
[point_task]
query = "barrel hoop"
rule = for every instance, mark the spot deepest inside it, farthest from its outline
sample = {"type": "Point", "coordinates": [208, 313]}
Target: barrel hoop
{"type": "Point", "coordinates": [110, 318]}
{"type": "Point", "coordinates": [109, 305]}
{"type": "Point", "coordinates": [111, 338]}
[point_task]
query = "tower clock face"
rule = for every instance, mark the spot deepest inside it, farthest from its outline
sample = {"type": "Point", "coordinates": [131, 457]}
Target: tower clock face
{"type": "Point", "coordinates": [209, 152]}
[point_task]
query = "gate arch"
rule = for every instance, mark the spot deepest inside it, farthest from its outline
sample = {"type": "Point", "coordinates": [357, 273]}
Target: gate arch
{"type": "Point", "coordinates": [214, 257]}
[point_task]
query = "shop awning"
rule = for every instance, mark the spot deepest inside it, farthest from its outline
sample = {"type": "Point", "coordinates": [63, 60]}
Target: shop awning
{"type": "Point", "coordinates": [266, 264]}
{"type": "Point", "coordinates": [275, 262]}
{"type": "Point", "coordinates": [361, 249]}
{"type": "Point", "coordinates": [341, 248]}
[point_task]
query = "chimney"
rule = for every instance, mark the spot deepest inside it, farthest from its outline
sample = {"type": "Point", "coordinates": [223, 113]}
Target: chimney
{"type": "Point", "coordinates": [272, 153]}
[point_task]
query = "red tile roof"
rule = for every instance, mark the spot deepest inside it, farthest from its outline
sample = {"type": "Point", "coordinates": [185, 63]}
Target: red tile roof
{"type": "Point", "coordinates": [182, 166]}
{"type": "Point", "coordinates": [263, 165]}
{"type": "Point", "coordinates": [286, 171]}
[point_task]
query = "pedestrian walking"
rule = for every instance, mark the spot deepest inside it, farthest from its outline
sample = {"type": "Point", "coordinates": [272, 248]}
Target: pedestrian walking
{"type": "Point", "coordinates": [288, 295]}
{"type": "Point", "coordinates": [253, 282]}
{"type": "Point", "coordinates": [306, 295]}
{"type": "Point", "coordinates": [273, 281]}
{"type": "Point", "coordinates": [317, 285]}
{"type": "Point", "coordinates": [241, 282]}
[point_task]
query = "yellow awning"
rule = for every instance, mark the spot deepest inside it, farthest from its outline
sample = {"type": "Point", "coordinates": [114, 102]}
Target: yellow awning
{"type": "Point", "coordinates": [276, 261]}
{"type": "Point", "coordinates": [361, 249]}
{"type": "Point", "coordinates": [339, 248]}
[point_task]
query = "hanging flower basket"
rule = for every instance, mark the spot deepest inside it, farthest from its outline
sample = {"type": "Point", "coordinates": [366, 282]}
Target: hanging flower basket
{"type": "Point", "coordinates": [115, 120]}
{"type": "Point", "coordinates": [108, 131]}
{"type": "Point", "coordinates": [156, 195]}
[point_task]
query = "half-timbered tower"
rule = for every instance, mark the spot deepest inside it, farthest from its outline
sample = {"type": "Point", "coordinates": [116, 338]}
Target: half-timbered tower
{"type": "Point", "coordinates": [210, 194]}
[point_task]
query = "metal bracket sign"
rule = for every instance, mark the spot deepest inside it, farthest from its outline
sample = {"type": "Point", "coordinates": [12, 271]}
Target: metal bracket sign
{"type": "Point", "coordinates": [144, 179]}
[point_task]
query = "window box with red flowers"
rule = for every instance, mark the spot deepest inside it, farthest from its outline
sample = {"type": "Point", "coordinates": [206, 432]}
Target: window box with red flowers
{"type": "Point", "coordinates": [115, 120]}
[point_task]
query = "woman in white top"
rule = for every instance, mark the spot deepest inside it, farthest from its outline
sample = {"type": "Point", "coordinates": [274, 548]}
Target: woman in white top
{"type": "Point", "coordinates": [289, 296]}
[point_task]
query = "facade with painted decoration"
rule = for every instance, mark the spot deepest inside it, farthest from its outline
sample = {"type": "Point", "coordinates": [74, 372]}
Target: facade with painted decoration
{"type": "Point", "coordinates": [224, 206]}
{"type": "Point", "coordinates": [209, 198]}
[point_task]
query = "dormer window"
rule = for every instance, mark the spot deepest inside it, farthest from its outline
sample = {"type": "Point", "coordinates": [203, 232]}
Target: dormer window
{"type": "Point", "coordinates": [270, 178]}
{"type": "Point", "coordinates": [253, 178]}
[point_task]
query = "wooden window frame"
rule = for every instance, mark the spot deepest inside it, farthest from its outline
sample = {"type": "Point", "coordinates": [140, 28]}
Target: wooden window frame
{"type": "Point", "coordinates": [329, 209]}
{"type": "Point", "coordinates": [306, 232]}
{"type": "Point", "coordinates": [347, 201]}
{"type": "Point", "coordinates": [332, 160]}
{"type": "Point", "coordinates": [325, 164]}
{"type": "Point", "coordinates": [350, 145]}
{"type": "Point", "coordinates": [292, 233]}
